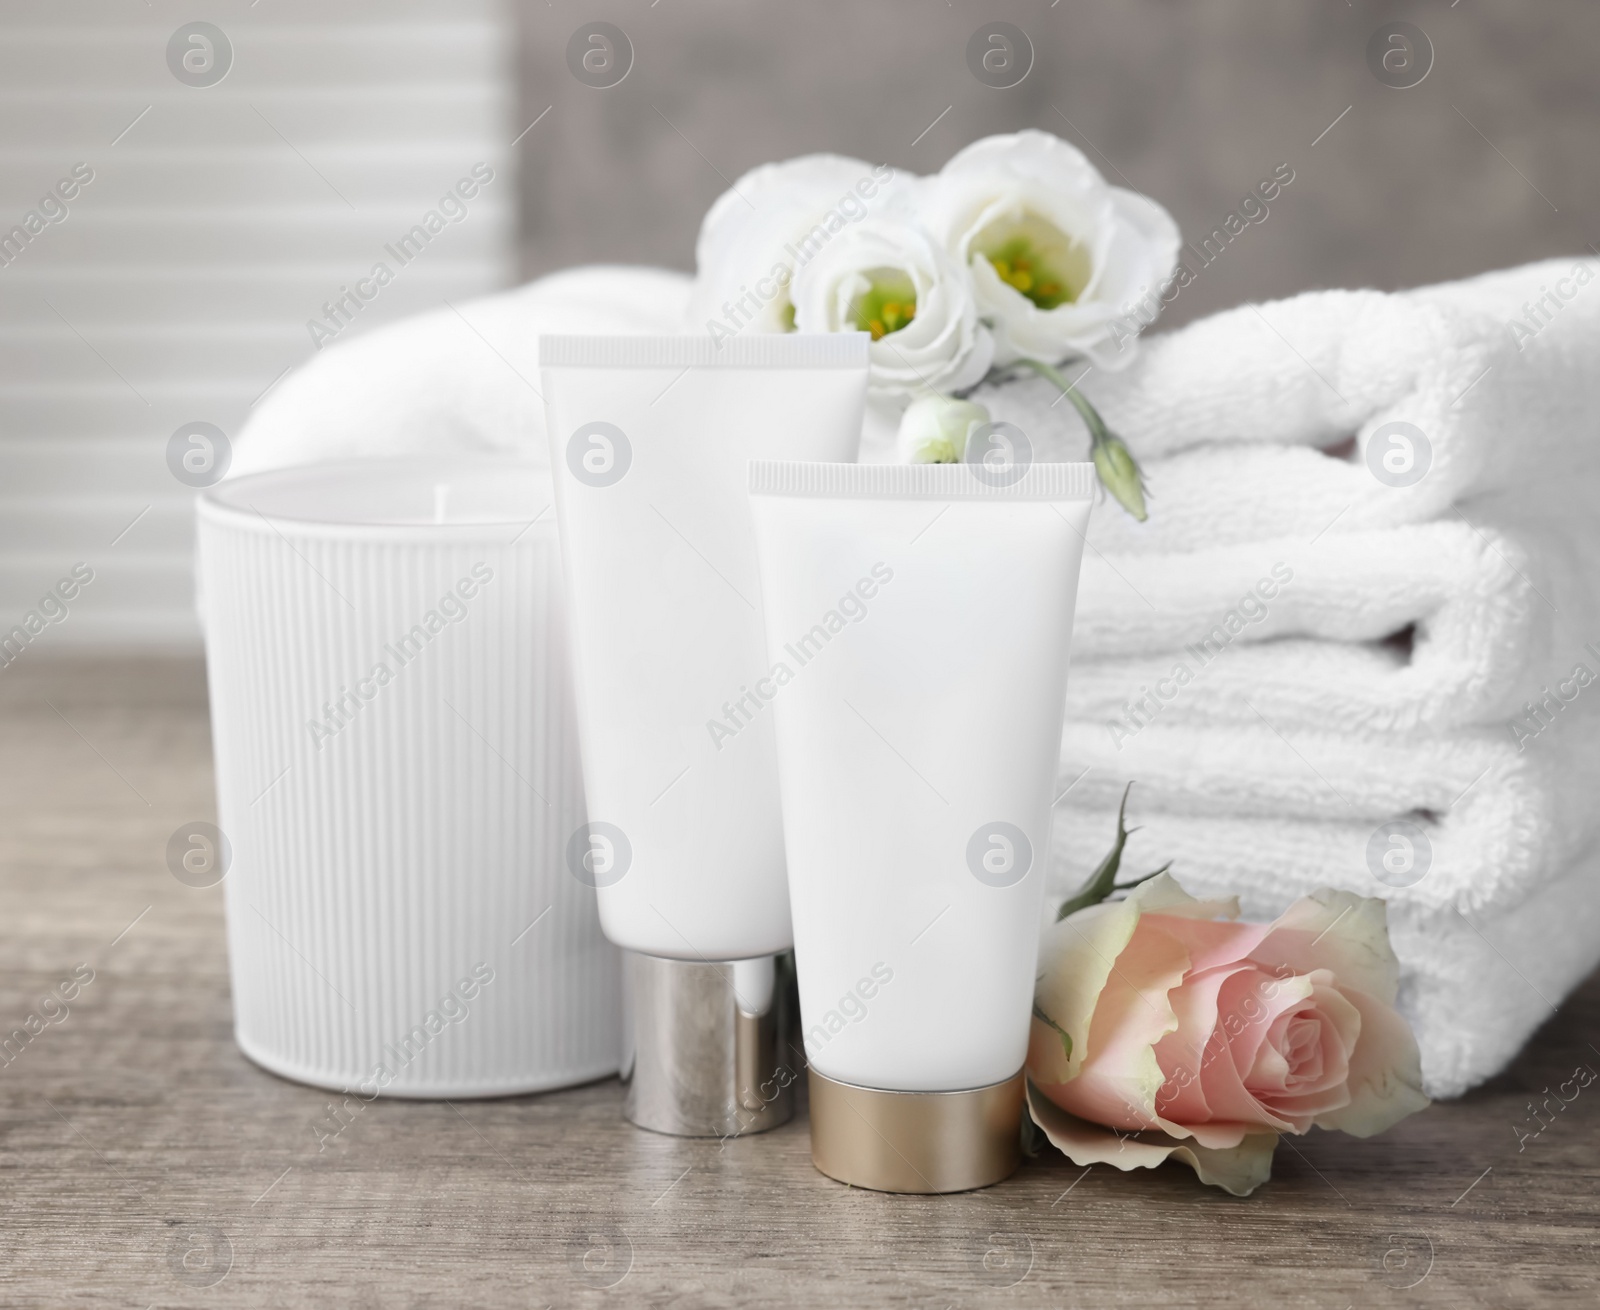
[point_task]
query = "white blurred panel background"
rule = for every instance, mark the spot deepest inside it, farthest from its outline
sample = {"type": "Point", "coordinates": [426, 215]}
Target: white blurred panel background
{"type": "Point", "coordinates": [179, 284]}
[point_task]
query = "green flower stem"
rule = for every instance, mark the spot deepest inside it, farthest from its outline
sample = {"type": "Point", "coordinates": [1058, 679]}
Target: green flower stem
{"type": "Point", "coordinates": [1113, 461]}
{"type": "Point", "coordinates": [1102, 883]}
{"type": "Point", "coordinates": [1098, 432]}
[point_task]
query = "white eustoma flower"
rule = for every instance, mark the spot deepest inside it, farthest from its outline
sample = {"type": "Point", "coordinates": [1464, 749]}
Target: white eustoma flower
{"type": "Point", "coordinates": [887, 276]}
{"type": "Point", "coordinates": [1059, 259]}
{"type": "Point", "coordinates": [934, 430]}
{"type": "Point", "coordinates": [772, 221]}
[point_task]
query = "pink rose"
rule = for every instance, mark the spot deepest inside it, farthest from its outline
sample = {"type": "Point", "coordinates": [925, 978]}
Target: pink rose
{"type": "Point", "coordinates": [1161, 1016]}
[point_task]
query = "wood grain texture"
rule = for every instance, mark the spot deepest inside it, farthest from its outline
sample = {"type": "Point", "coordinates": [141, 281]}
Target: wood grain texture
{"type": "Point", "coordinates": [132, 1132]}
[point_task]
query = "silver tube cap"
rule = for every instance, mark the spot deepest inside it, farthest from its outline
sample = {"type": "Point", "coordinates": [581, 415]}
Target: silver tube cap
{"type": "Point", "coordinates": [706, 1045]}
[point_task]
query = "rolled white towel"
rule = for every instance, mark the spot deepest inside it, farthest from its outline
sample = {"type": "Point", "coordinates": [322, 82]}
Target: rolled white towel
{"type": "Point", "coordinates": [458, 378]}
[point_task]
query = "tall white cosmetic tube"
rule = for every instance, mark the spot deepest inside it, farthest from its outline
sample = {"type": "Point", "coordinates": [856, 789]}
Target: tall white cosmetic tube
{"type": "Point", "coordinates": [918, 625]}
{"type": "Point", "coordinates": [650, 443]}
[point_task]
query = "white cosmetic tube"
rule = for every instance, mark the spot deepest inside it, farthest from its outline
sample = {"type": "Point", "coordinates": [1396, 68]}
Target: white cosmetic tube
{"type": "Point", "coordinates": [650, 439]}
{"type": "Point", "coordinates": [918, 625]}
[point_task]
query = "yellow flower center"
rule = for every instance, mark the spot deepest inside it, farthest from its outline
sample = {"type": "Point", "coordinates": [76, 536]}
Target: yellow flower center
{"type": "Point", "coordinates": [888, 304]}
{"type": "Point", "coordinates": [1037, 259]}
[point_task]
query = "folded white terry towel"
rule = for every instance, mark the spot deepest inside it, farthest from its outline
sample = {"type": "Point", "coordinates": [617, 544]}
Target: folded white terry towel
{"type": "Point", "coordinates": [1233, 415]}
{"type": "Point", "coordinates": [461, 379]}
{"type": "Point", "coordinates": [1475, 991]}
{"type": "Point", "coordinates": [1271, 764]}
{"type": "Point", "coordinates": [1489, 611]}
{"type": "Point", "coordinates": [1293, 811]}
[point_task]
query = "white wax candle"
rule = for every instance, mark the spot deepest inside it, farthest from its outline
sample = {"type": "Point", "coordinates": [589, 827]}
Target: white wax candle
{"type": "Point", "coordinates": [397, 779]}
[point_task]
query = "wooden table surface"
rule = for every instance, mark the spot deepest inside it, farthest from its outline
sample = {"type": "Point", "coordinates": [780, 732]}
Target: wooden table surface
{"type": "Point", "coordinates": [144, 1162]}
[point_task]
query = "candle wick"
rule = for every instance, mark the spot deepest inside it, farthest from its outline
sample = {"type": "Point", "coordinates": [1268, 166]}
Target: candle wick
{"type": "Point", "coordinates": [441, 494]}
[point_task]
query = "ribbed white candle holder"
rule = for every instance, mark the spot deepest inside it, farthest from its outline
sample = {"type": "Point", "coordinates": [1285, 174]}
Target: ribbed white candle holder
{"type": "Point", "coordinates": [397, 778]}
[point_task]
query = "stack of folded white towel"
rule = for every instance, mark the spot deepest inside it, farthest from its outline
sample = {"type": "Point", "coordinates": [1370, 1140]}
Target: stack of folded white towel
{"type": "Point", "coordinates": [1295, 651]}
{"type": "Point", "coordinates": [1305, 668]}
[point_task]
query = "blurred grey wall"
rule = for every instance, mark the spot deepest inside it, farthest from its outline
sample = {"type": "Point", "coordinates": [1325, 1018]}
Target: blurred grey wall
{"type": "Point", "coordinates": [1489, 161]}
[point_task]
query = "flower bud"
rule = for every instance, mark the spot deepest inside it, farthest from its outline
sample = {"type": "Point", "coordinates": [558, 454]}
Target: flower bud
{"type": "Point", "coordinates": [1118, 469]}
{"type": "Point", "coordinates": [934, 429]}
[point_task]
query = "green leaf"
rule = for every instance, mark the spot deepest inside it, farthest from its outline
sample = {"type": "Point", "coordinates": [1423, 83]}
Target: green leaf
{"type": "Point", "coordinates": [1103, 880]}
{"type": "Point", "coordinates": [1048, 1022]}
{"type": "Point", "coordinates": [1129, 886]}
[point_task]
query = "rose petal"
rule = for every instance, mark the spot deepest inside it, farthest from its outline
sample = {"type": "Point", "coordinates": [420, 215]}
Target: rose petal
{"type": "Point", "coordinates": [1076, 956]}
{"type": "Point", "coordinates": [1340, 1023]}
{"type": "Point", "coordinates": [1252, 1002]}
{"type": "Point", "coordinates": [1210, 942]}
{"type": "Point", "coordinates": [1218, 1134]}
{"type": "Point", "coordinates": [1181, 1053]}
{"type": "Point", "coordinates": [1120, 1076]}
{"type": "Point", "coordinates": [1338, 931]}
{"type": "Point", "coordinates": [1233, 1045]}
{"type": "Point", "coordinates": [1163, 895]}
{"type": "Point", "coordinates": [1270, 1071]}
{"type": "Point", "coordinates": [1237, 1169]}
{"type": "Point", "coordinates": [1385, 1080]}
